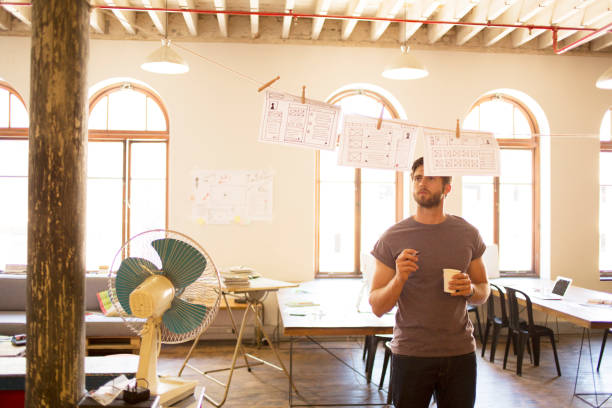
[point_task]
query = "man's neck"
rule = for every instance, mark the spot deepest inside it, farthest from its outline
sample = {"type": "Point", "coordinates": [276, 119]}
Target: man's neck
{"type": "Point", "coordinates": [434, 215]}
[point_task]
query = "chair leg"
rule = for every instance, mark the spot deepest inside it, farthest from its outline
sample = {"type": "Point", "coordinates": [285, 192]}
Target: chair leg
{"type": "Point", "coordinates": [372, 346]}
{"type": "Point", "coordinates": [479, 325]}
{"type": "Point", "coordinates": [554, 347]}
{"type": "Point", "coordinates": [486, 336]}
{"type": "Point", "coordinates": [603, 346]}
{"type": "Point", "coordinates": [508, 341]}
{"type": "Point", "coordinates": [384, 368]}
{"type": "Point", "coordinates": [521, 350]}
{"type": "Point", "coordinates": [496, 330]}
{"type": "Point", "coordinates": [536, 350]}
{"type": "Point", "coordinates": [365, 347]}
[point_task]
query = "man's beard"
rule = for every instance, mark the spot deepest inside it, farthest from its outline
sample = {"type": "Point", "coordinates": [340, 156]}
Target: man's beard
{"type": "Point", "coordinates": [432, 201]}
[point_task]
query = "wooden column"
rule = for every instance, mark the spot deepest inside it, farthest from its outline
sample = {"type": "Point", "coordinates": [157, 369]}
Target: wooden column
{"type": "Point", "coordinates": [56, 205]}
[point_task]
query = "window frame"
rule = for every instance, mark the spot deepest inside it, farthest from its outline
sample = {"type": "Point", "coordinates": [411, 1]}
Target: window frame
{"type": "Point", "coordinates": [13, 133]}
{"type": "Point", "coordinates": [399, 192]}
{"type": "Point", "coordinates": [605, 146]}
{"type": "Point", "coordinates": [532, 144]}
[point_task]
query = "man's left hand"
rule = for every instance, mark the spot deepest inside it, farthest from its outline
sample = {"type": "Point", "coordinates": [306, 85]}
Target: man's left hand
{"type": "Point", "coordinates": [462, 284]}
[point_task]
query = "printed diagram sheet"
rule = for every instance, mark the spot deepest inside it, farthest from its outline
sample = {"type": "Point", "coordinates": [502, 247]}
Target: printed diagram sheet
{"type": "Point", "coordinates": [472, 154]}
{"type": "Point", "coordinates": [286, 120]}
{"type": "Point", "coordinates": [231, 196]}
{"type": "Point", "coordinates": [390, 147]}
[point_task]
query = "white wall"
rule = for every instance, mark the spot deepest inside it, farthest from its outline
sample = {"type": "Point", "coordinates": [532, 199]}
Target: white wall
{"type": "Point", "coordinates": [214, 122]}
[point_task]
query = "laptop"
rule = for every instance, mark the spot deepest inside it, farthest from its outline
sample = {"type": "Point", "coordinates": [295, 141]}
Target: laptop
{"type": "Point", "coordinates": [558, 291]}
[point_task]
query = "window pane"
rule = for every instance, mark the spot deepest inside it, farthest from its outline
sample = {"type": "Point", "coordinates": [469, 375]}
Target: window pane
{"type": "Point", "coordinates": [104, 220]}
{"type": "Point", "coordinates": [496, 117]}
{"type": "Point", "coordinates": [19, 114]}
{"type": "Point", "coordinates": [362, 105]}
{"type": "Point", "coordinates": [330, 171]}
{"type": "Point", "coordinates": [605, 131]}
{"type": "Point", "coordinates": [4, 108]}
{"type": "Point", "coordinates": [13, 220]}
{"type": "Point", "coordinates": [471, 121]}
{"type": "Point", "coordinates": [155, 117]}
{"type": "Point", "coordinates": [127, 110]}
{"type": "Point", "coordinates": [99, 114]}
{"type": "Point", "coordinates": [515, 166]}
{"type": "Point", "coordinates": [605, 211]}
{"type": "Point", "coordinates": [13, 158]}
{"type": "Point", "coordinates": [477, 205]}
{"type": "Point", "coordinates": [522, 130]}
{"type": "Point", "coordinates": [337, 227]}
{"type": "Point", "coordinates": [147, 205]}
{"type": "Point", "coordinates": [378, 209]}
{"type": "Point", "coordinates": [148, 160]}
{"type": "Point", "coordinates": [515, 227]}
{"type": "Point", "coordinates": [105, 159]}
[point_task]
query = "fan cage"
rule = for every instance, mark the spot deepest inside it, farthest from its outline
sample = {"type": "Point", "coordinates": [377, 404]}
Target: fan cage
{"type": "Point", "coordinates": [206, 290]}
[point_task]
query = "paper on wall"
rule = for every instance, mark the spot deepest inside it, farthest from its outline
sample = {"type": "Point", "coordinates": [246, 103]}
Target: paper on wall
{"type": "Point", "coordinates": [232, 196]}
{"type": "Point", "coordinates": [390, 147]}
{"type": "Point", "coordinates": [286, 120]}
{"type": "Point", "coordinates": [472, 154]}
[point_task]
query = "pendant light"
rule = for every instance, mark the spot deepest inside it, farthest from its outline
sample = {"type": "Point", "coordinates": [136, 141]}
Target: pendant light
{"type": "Point", "coordinates": [165, 60]}
{"type": "Point", "coordinates": [605, 80]}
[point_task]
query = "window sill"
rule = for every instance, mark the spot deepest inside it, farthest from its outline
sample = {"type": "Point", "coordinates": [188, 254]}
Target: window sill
{"type": "Point", "coordinates": [331, 275]}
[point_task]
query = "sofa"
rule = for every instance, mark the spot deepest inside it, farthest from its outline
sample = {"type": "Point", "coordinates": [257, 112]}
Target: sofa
{"type": "Point", "coordinates": [13, 303]}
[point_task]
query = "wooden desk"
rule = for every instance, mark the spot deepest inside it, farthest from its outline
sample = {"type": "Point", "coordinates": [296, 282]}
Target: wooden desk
{"type": "Point", "coordinates": [333, 312]}
{"type": "Point", "coordinates": [574, 308]}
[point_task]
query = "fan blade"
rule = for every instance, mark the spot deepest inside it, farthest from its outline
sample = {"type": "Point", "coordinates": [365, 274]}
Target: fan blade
{"type": "Point", "coordinates": [181, 263]}
{"type": "Point", "coordinates": [183, 317]}
{"type": "Point", "coordinates": [131, 273]}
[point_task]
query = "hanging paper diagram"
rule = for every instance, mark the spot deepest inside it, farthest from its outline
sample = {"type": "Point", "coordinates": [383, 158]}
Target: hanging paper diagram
{"type": "Point", "coordinates": [473, 153]}
{"type": "Point", "coordinates": [286, 120]}
{"type": "Point", "coordinates": [232, 196]}
{"type": "Point", "coordinates": [390, 147]}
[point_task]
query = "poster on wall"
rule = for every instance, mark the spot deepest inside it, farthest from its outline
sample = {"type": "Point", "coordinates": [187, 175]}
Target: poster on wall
{"type": "Point", "coordinates": [471, 154]}
{"type": "Point", "coordinates": [231, 196]}
{"type": "Point", "coordinates": [390, 147]}
{"type": "Point", "coordinates": [286, 120]}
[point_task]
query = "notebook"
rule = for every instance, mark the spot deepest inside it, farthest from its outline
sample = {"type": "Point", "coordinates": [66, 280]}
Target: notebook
{"type": "Point", "coordinates": [558, 291]}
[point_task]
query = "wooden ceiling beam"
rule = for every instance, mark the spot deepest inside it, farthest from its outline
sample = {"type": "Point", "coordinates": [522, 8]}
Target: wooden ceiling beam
{"type": "Point", "coordinates": [289, 5]}
{"type": "Point", "coordinates": [579, 35]}
{"type": "Point", "coordinates": [388, 9]}
{"type": "Point", "coordinates": [317, 22]}
{"type": "Point", "coordinates": [254, 4]}
{"type": "Point", "coordinates": [355, 8]}
{"type": "Point", "coordinates": [521, 36]}
{"type": "Point", "coordinates": [23, 13]}
{"type": "Point", "coordinates": [450, 11]}
{"type": "Point", "coordinates": [477, 15]}
{"type": "Point", "coordinates": [5, 20]}
{"type": "Point", "coordinates": [191, 19]}
{"type": "Point", "coordinates": [126, 18]}
{"type": "Point", "coordinates": [158, 17]}
{"type": "Point", "coordinates": [221, 18]}
{"type": "Point", "coordinates": [597, 11]}
{"type": "Point", "coordinates": [546, 40]}
{"type": "Point", "coordinates": [602, 42]}
{"type": "Point", "coordinates": [493, 35]}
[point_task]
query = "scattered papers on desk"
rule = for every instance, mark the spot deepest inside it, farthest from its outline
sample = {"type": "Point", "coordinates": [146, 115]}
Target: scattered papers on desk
{"type": "Point", "coordinates": [301, 304]}
{"type": "Point", "coordinates": [109, 391]}
{"type": "Point", "coordinates": [607, 302]}
{"type": "Point", "coordinates": [286, 120]}
{"type": "Point", "coordinates": [232, 196]}
{"type": "Point", "coordinates": [390, 147]}
{"type": "Point", "coordinates": [472, 154]}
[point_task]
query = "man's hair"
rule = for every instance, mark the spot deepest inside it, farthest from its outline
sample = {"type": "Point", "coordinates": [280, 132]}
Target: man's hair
{"type": "Point", "coordinates": [420, 162]}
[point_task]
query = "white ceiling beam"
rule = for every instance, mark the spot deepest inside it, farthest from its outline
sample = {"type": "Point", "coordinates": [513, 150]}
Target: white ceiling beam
{"type": "Point", "coordinates": [289, 5]}
{"type": "Point", "coordinates": [23, 13]}
{"type": "Point", "coordinates": [254, 18]}
{"type": "Point", "coordinates": [531, 8]}
{"type": "Point", "coordinates": [96, 18]}
{"type": "Point", "coordinates": [493, 35]}
{"type": "Point", "coordinates": [564, 9]}
{"type": "Point", "coordinates": [602, 42]}
{"type": "Point", "coordinates": [5, 20]}
{"type": "Point", "coordinates": [317, 22]}
{"type": "Point", "coordinates": [355, 8]}
{"type": "Point", "coordinates": [126, 18]}
{"type": "Point", "coordinates": [158, 17]}
{"type": "Point", "coordinates": [521, 36]}
{"type": "Point", "coordinates": [191, 19]}
{"type": "Point", "coordinates": [498, 7]}
{"type": "Point", "coordinates": [450, 11]}
{"type": "Point", "coordinates": [477, 15]}
{"type": "Point", "coordinates": [418, 10]}
{"type": "Point", "coordinates": [596, 11]}
{"type": "Point", "coordinates": [579, 35]}
{"type": "Point", "coordinates": [386, 9]}
{"type": "Point", "coordinates": [546, 40]}
{"type": "Point", "coordinates": [221, 17]}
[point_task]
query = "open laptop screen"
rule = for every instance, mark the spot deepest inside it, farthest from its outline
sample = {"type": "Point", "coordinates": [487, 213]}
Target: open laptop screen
{"type": "Point", "coordinates": [561, 286]}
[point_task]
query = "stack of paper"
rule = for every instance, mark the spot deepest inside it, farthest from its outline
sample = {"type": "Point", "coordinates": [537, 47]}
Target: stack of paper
{"type": "Point", "coordinates": [231, 279]}
{"type": "Point", "coordinates": [15, 269]}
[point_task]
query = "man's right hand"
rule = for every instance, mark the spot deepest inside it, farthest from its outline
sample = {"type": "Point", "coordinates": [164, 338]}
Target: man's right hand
{"type": "Point", "coordinates": [406, 264]}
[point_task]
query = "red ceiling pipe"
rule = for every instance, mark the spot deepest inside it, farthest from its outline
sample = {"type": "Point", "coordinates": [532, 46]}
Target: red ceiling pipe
{"type": "Point", "coordinates": [578, 42]}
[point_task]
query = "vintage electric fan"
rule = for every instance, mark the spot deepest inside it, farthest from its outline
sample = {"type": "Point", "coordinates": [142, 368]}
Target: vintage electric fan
{"type": "Point", "coordinates": [171, 281]}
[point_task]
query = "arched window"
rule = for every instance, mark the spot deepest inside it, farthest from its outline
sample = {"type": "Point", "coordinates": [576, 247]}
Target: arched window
{"type": "Point", "coordinates": [127, 168]}
{"type": "Point", "coordinates": [605, 197]}
{"type": "Point", "coordinates": [13, 177]}
{"type": "Point", "coordinates": [353, 206]}
{"type": "Point", "coordinates": [506, 209]}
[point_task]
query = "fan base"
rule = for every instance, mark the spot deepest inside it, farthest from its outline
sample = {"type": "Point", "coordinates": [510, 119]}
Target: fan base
{"type": "Point", "coordinates": [174, 389]}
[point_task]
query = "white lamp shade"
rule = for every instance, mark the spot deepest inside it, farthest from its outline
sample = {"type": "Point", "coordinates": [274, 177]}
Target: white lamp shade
{"type": "Point", "coordinates": [605, 80]}
{"type": "Point", "coordinates": [165, 61]}
{"type": "Point", "coordinates": [405, 66]}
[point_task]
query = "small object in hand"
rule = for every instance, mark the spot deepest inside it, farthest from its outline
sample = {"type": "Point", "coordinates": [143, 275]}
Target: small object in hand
{"type": "Point", "coordinates": [134, 394]}
{"type": "Point", "coordinates": [18, 340]}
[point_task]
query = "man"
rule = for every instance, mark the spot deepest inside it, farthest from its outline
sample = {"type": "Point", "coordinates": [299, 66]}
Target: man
{"type": "Point", "coordinates": [433, 346]}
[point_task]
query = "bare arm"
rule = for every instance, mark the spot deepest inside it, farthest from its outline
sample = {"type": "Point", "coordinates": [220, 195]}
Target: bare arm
{"type": "Point", "coordinates": [387, 284]}
{"type": "Point", "coordinates": [475, 282]}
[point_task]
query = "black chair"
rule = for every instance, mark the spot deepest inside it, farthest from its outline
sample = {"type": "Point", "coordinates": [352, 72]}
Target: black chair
{"type": "Point", "coordinates": [498, 322]}
{"type": "Point", "coordinates": [521, 332]}
{"type": "Point", "coordinates": [603, 346]}
{"type": "Point", "coordinates": [384, 371]}
{"type": "Point", "coordinates": [474, 309]}
{"type": "Point", "coordinates": [369, 351]}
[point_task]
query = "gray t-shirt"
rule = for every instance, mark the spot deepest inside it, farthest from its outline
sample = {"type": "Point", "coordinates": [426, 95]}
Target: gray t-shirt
{"type": "Point", "coordinates": [429, 322]}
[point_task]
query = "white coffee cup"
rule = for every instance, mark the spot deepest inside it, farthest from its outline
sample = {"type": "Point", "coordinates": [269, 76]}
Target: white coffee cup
{"type": "Point", "coordinates": [448, 275]}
